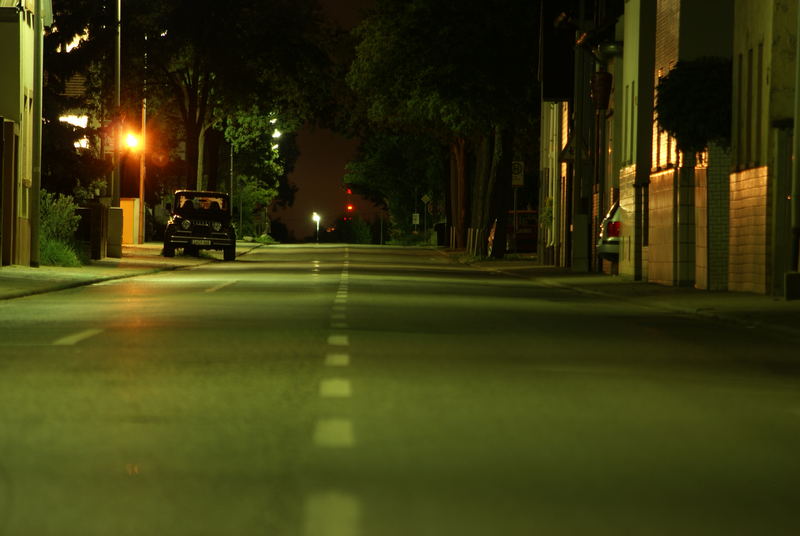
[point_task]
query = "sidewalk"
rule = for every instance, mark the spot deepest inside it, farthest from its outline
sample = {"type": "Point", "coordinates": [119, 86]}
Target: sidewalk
{"type": "Point", "coordinates": [19, 281]}
{"type": "Point", "coordinates": [743, 309]}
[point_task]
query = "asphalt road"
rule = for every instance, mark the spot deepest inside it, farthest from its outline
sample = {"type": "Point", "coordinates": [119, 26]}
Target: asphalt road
{"type": "Point", "coordinates": [357, 391]}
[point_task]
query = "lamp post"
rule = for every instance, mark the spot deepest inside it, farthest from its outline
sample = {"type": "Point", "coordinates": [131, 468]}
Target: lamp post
{"type": "Point", "coordinates": [316, 218]}
{"type": "Point", "coordinates": [142, 165]}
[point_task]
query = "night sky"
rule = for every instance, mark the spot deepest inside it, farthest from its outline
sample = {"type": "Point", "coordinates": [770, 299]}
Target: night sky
{"type": "Point", "coordinates": [323, 155]}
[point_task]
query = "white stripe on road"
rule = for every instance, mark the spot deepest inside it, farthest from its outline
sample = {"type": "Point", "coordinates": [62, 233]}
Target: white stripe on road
{"type": "Point", "coordinates": [339, 340]}
{"type": "Point", "coordinates": [220, 286]}
{"type": "Point", "coordinates": [335, 388]}
{"type": "Point", "coordinates": [334, 433]}
{"type": "Point", "coordinates": [332, 514]}
{"type": "Point", "coordinates": [338, 316]}
{"type": "Point", "coordinates": [75, 338]}
{"type": "Point", "coordinates": [339, 325]}
{"type": "Point", "coordinates": [337, 360]}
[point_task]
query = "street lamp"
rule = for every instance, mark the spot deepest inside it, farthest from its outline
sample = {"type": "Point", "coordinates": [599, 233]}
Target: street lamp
{"type": "Point", "coordinates": [316, 218]}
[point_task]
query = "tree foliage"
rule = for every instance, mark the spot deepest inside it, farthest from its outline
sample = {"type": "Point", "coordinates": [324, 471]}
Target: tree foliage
{"type": "Point", "coordinates": [396, 170]}
{"type": "Point", "coordinates": [694, 103]}
{"type": "Point", "coordinates": [462, 72]}
{"type": "Point", "coordinates": [65, 167]}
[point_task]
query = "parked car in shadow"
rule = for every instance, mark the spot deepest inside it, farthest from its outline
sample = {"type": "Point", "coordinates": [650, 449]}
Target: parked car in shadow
{"type": "Point", "coordinates": [610, 232]}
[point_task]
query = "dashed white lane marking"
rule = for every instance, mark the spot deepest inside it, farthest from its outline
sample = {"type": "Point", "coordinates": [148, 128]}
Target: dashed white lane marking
{"type": "Point", "coordinates": [335, 388]}
{"type": "Point", "coordinates": [339, 315]}
{"type": "Point", "coordinates": [75, 338]}
{"type": "Point", "coordinates": [339, 325]}
{"type": "Point", "coordinates": [339, 340]}
{"type": "Point", "coordinates": [337, 360]}
{"type": "Point", "coordinates": [220, 286]}
{"type": "Point", "coordinates": [332, 513]}
{"type": "Point", "coordinates": [334, 433]}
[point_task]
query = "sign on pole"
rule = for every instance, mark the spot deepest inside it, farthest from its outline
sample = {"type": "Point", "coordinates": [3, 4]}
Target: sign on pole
{"type": "Point", "coordinates": [517, 173]}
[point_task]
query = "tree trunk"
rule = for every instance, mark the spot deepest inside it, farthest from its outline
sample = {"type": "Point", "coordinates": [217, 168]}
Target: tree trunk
{"type": "Point", "coordinates": [201, 142]}
{"type": "Point", "coordinates": [458, 190]}
{"type": "Point", "coordinates": [211, 149]}
{"type": "Point", "coordinates": [502, 188]}
{"type": "Point", "coordinates": [192, 153]}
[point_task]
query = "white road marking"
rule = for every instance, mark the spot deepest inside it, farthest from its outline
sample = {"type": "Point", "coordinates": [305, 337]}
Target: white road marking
{"type": "Point", "coordinates": [75, 338]}
{"type": "Point", "coordinates": [332, 513]}
{"type": "Point", "coordinates": [339, 307]}
{"type": "Point", "coordinates": [338, 316]}
{"type": "Point", "coordinates": [335, 388]}
{"type": "Point", "coordinates": [339, 340]}
{"type": "Point", "coordinates": [334, 433]}
{"type": "Point", "coordinates": [339, 325]}
{"type": "Point", "coordinates": [337, 360]}
{"type": "Point", "coordinates": [220, 286]}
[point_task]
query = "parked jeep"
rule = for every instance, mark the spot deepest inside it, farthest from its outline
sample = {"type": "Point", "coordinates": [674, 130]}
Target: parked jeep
{"type": "Point", "coordinates": [200, 220]}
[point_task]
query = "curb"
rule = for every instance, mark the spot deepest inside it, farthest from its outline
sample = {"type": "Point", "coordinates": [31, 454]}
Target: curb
{"type": "Point", "coordinates": [101, 279]}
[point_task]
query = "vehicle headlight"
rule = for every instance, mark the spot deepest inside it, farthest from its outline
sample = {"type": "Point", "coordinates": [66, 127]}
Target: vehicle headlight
{"type": "Point", "coordinates": [185, 224]}
{"type": "Point", "coordinates": [217, 226]}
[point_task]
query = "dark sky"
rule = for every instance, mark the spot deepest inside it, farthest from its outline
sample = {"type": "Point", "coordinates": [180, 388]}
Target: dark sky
{"type": "Point", "coordinates": [323, 155]}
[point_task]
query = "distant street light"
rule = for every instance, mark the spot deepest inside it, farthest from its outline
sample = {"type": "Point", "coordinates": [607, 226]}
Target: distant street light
{"type": "Point", "coordinates": [316, 218]}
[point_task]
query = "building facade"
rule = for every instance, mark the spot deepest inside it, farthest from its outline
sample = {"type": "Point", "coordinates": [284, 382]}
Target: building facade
{"type": "Point", "coordinates": [764, 69]}
{"type": "Point", "coordinates": [18, 116]}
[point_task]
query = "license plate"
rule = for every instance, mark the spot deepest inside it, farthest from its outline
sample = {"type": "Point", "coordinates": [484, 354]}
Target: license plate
{"type": "Point", "coordinates": [201, 242]}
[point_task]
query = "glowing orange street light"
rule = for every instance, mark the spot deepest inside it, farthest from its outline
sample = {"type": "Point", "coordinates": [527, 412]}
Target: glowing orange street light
{"type": "Point", "coordinates": [132, 141]}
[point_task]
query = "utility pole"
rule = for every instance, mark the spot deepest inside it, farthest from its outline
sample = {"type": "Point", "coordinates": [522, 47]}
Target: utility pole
{"type": "Point", "coordinates": [114, 245]}
{"type": "Point", "coordinates": [143, 153]}
{"type": "Point", "coordinates": [38, 82]}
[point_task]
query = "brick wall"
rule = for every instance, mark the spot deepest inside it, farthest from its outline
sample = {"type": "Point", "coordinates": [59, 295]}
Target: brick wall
{"type": "Point", "coordinates": [748, 239]}
{"type": "Point", "coordinates": [661, 253]}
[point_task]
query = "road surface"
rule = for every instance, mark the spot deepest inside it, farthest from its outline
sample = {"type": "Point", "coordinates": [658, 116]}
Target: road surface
{"type": "Point", "coordinates": [369, 391]}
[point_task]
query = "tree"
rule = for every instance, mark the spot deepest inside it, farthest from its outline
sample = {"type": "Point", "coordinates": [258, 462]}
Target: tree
{"type": "Point", "coordinates": [694, 103]}
{"type": "Point", "coordinates": [208, 59]}
{"type": "Point", "coordinates": [461, 72]}
{"type": "Point", "coordinates": [396, 170]}
{"type": "Point", "coordinates": [64, 166]}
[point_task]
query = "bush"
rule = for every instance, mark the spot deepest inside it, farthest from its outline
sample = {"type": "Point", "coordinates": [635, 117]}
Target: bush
{"type": "Point", "coordinates": [57, 217]}
{"type": "Point", "coordinates": [58, 222]}
{"type": "Point", "coordinates": [266, 239]}
{"type": "Point", "coordinates": [694, 103]}
{"type": "Point", "coordinates": [57, 253]}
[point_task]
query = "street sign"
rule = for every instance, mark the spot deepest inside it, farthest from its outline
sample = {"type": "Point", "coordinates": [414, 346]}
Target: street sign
{"type": "Point", "coordinates": [518, 173]}
{"type": "Point", "coordinates": [426, 199]}
{"type": "Point", "coordinates": [415, 218]}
